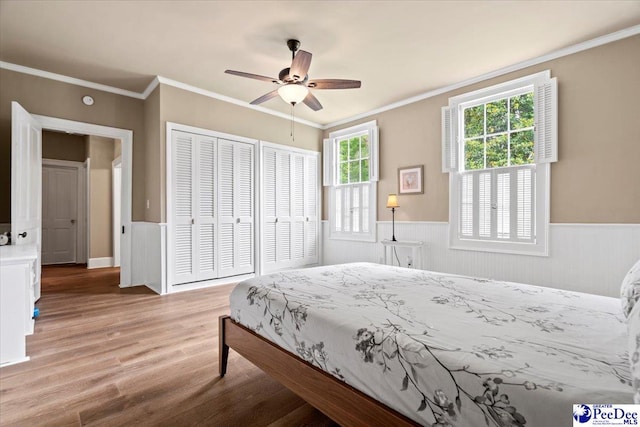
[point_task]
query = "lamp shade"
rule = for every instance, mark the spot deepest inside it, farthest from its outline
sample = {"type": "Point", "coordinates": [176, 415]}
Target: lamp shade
{"type": "Point", "coordinates": [293, 93]}
{"type": "Point", "coordinates": [392, 201]}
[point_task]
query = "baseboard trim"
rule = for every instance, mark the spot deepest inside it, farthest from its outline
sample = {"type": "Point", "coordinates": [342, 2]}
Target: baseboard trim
{"type": "Point", "coordinates": [100, 262]}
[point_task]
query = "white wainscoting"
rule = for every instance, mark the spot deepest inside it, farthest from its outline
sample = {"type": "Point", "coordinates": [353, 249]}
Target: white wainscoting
{"type": "Point", "coordinates": [148, 255]}
{"type": "Point", "coordinates": [590, 258]}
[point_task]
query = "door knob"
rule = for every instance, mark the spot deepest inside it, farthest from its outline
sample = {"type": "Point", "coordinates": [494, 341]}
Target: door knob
{"type": "Point", "coordinates": [73, 221]}
{"type": "Point", "coordinates": [23, 234]}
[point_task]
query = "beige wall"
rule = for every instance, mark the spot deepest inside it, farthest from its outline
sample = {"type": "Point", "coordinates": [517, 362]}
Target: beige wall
{"type": "Point", "coordinates": [101, 155]}
{"type": "Point", "coordinates": [117, 148]}
{"type": "Point", "coordinates": [63, 146]}
{"type": "Point", "coordinates": [56, 99]}
{"type": "Point", "coordinates": [180, 106]}
{"type": "Point", "coordinates": [596, 178]}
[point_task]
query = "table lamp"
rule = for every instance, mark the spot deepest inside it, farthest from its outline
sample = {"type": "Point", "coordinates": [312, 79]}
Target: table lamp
{"type": "Point", "coordinates": [392, 202]}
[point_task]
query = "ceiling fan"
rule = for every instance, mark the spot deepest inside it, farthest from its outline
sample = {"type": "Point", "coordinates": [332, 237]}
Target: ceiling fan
{"type": "Point", "coordinates": [294, 81]}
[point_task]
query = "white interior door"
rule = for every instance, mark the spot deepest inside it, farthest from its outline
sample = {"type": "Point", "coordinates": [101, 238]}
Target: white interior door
{"type": "Point", "coordinates": [26, 185]}
{"type": "Point", "coordinates": [117, 209]}
{"type": "Point", "coordinates": [59, 214]}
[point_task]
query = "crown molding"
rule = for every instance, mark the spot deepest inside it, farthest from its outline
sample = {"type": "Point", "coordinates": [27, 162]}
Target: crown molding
{"type": "Point", "coordinates": [589, 44]}
{"type": "Point", "coordinates": [235, 101]}
{"type": "Point", "coordinates": [151, 87]}
{"type": "Point", "coordinates": [67, 79]}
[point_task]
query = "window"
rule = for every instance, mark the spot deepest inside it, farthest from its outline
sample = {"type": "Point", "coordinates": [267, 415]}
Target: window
{"type": "Point", "coordinates": [350, 170]}
{"type": "Point", "coordinates": [497, 146]}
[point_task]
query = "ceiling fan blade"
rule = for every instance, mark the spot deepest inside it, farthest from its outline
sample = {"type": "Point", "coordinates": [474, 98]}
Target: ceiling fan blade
{"type": "Point", "coordinates": [300, 65]}
{"type": "Point", "coordinates": [334, 84]}
{"type": "Point", "coordinates": [312, 102]}
{"type": "Point", "coordinates": [265, 97]}
{"type": "Point", "coordinates": [252, 76]}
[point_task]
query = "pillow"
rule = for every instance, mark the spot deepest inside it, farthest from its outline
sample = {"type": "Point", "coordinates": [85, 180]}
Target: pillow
{"type": "Point", "coordinates": [630, 289]}
{"type": "Point", "coordinates": [633, 341]}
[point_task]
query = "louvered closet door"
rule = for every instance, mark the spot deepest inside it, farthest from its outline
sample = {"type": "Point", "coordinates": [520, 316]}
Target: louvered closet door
{"type": "Point", "coordinates": [205, 227]}
{"type": "Point", "coordinates": [297, 209]}
{"type": "Point", "coordinates": [235, 211]}
{"type": "Point", "coordinates": [283, 206]}
{"type": "Point", "coordinates": [311, 208]}
{"type": "Point", "coordinates": [269, 208]}
{"type": "Point", "coordinates": [183, 168]}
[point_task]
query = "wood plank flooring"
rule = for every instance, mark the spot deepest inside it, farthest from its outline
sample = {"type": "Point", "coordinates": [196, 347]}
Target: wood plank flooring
{"type": "Point", "coordinates": [101, 355]}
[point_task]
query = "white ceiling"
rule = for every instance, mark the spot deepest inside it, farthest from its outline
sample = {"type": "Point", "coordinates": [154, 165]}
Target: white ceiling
{"type": "Point", "coordinates": [398, 49]}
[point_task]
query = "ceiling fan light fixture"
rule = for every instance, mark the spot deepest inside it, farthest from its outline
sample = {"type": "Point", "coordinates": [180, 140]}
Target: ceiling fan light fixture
{"type": "Point", "coordinates": [293, 93]}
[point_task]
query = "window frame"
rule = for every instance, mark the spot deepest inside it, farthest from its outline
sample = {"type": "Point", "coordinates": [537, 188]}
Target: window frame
{"type": "Point", "coordinates": [331, 179]}
{"type": "Point", "coordinates": [542, 169]}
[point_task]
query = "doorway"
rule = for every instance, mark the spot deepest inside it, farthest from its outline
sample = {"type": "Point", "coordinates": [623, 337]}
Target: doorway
{"type": "Point", "coordinates": [126, 136]}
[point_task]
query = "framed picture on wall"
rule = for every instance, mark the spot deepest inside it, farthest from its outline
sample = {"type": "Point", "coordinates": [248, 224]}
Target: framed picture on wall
{"type": "Point", "coordinates": [410, 180]}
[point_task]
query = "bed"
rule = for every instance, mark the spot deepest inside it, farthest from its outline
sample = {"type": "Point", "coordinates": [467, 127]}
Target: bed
{"type": "Point", "coordinates": [370, 344]}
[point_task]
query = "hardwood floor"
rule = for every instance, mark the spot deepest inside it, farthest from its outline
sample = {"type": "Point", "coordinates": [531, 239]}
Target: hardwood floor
{"type": "Point", "coordinates": [101, 355]}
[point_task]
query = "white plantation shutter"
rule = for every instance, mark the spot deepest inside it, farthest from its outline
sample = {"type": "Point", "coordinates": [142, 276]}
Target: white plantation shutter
{"type": "Point", "coordinates": [485, 211]}
{"type": "Point", "coordinates": [449, 141]}
{"type": "Point", "coordinates": [525, 204]}
{"type": "Point", "coordinates": [503, 204]}
{"type": "Point", "coordinates": [497, 204]}
{"type": "Point", "coordinates": [374, 152]}
{"type": "Point", "coordinates": [546, 131]}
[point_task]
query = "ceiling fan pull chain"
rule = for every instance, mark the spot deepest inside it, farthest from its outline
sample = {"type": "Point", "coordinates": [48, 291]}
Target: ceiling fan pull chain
{"type": "Point", "coordinates": [293, 136]}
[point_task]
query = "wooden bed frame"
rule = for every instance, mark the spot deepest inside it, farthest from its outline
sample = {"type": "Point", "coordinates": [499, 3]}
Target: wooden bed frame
{"type": "Point", "coordinates": [336, 399]}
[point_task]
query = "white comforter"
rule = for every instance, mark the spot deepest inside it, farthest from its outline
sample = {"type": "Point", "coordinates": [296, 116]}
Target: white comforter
{"type": "Point", "coordinates": [446, 349]}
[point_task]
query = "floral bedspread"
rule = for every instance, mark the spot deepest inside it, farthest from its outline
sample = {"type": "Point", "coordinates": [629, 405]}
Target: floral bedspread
{"type": "Point", "coordinates": [445, 349]}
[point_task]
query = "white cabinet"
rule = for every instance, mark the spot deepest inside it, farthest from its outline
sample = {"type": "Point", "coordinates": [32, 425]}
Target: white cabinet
{"type": "Point", "coordinates": [17, 279]}
{"type": "Point", "coordinates": [290, 208]}
{"type": "Point", "coordinates": [212, 207]}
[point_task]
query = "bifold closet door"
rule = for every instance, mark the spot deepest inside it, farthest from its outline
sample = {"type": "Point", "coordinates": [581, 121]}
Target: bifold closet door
{"type": "Point", "coordinates": [311, 210]}
{"type": "Point", "coordinates": [290, 209]}
{"type": "Point", "coordinates": [235, 207]}
{"type": "Point", "coordinates": [269, 208]}
{"type": "Point", "coordinates": [194, 219]}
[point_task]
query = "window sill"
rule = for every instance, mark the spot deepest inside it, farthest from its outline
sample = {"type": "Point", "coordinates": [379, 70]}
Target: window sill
{"type": "Point", "coordinates": [368, 238]}
{"type": "Point", "coordinates": [500, 247]}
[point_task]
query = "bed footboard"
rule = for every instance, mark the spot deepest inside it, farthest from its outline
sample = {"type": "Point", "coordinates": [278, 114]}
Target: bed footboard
{"type": "Point", "coordinates": [336, 399]}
